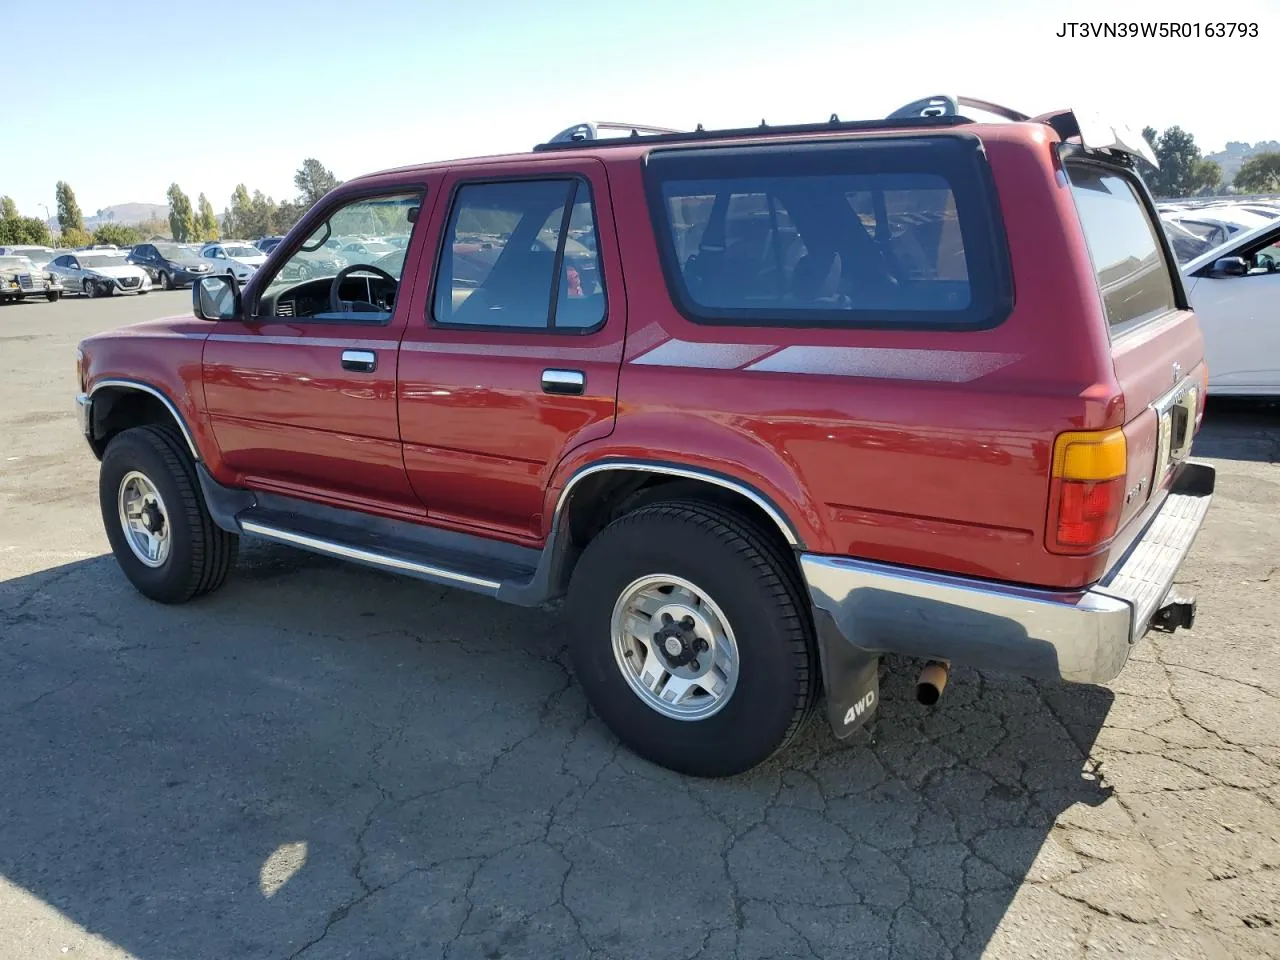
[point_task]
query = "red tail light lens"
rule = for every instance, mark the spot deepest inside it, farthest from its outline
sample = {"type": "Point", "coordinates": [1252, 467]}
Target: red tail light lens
{"type": "Point", "coordinates": [1087, 492]}
{"type": "Point", "coordinates": [1088, 513]}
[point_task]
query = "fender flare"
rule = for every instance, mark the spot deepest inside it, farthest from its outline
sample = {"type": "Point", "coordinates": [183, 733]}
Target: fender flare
{"type": "Point", "coordinates": [172, 408]}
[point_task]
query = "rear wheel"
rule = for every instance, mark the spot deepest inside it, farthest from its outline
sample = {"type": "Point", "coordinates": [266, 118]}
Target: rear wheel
{"type": "Point", "coordinates": [692, 639]}
{"type": "Point", "coordinates": [156, 520]}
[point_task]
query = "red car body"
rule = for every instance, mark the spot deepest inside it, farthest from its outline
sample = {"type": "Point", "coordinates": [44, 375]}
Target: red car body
{"type": "Point", "coordinates": [924, 451]}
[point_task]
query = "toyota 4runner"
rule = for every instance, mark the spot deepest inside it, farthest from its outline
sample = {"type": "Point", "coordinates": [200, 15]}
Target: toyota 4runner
{"type": "Point", "coordinates": [762, 405]}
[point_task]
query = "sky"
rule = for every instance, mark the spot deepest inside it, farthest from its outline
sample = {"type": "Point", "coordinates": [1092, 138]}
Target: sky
{"type": "Point", "coordinates": [141, 95]}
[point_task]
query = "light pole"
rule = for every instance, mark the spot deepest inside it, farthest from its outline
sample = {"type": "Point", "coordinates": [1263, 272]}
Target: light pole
{"type": "Point", "coordinates": [47, 217]}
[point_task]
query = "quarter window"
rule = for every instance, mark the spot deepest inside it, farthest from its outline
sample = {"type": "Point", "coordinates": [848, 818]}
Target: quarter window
{"type": "Point", "coordinates": [521, 255]}
{"type": "Point", "coordinates": [1132, 272]}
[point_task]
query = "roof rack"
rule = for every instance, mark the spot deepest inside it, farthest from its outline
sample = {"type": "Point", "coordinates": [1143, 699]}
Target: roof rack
{"type": "Point", "coordinates": [1095, 134]}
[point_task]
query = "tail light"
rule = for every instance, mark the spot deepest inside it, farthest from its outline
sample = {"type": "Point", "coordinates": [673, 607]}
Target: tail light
{"type": "Point", "coordinates": [1087, 490]}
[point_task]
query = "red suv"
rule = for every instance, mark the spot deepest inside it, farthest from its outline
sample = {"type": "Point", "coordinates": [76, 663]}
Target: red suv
{"type": "Point", "coordinates": [762, 405]}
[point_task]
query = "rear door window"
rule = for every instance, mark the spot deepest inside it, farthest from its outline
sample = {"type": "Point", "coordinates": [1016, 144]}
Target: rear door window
{"type": "Point", "coordinates": [861, 233]}
{"type": "Point", "coordinates": [1128, 259]}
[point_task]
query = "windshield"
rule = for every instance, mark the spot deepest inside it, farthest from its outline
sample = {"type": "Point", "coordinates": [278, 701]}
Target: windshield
{"type": "Point", "coordinates": [174, 251]}
{"type": "Point", "coordinates": [21, 263]}
{"type": "Point", "coordinates": [243, 252]}
{"type": "Point", "coordinates": [95, 261]}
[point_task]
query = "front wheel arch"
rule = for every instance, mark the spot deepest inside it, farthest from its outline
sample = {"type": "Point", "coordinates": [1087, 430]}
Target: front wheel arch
{"type": "Point", "coordinates": [120, 405]}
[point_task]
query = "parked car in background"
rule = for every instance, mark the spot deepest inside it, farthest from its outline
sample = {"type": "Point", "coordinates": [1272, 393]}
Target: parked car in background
{"type": "Point", "coordinates": [1235, 292]}
{"type": "Point", "coordinates": [324, 262]}
{"type": "Point", "coordinates": [267, 244]}
{"type": "Point", "coordinates": [235, 258]}
{"type": "Point", "coordinates": [36, 254]}
{"type": "Point", "coordinates": [94, 273]}
{"type": "Point", "coordinates": [365, 251]}
{"type": "Point", "coordinates": [20, 278]}
{"type": "Point", "coordinates": [171, 265]}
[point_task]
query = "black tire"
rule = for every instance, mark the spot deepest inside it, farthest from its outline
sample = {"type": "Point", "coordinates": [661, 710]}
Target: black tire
{"type": "Point", "coordinates": [90, 290]}
{"type": "Point", "coordinates": [53, 297]}
{"type": "Point", "coordinates": [201, 554]}
{"type": "Point", "coordinates": [167, 279]}
{"type": "Point", "coordinates": [757, 588]}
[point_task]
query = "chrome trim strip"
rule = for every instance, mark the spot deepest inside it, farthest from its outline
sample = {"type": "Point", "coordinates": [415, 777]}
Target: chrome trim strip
{"type": "Point", "coordinates": [365, 556]}
{"type": "Point", "coordinates": [685, 474]}
{"type": "Point", "coordinates": [84, 412]}
{"type": "Point", "coordinates": [147, 388]}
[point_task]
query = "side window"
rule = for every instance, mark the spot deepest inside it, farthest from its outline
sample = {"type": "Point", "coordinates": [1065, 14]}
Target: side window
{"type": "Point", "coordinates": [521, 255]}
{"type": "Point", "coordinates": [877, 234]}
{"type": "Point", "coordinates": [302, 286]}
{"type": "Point", "coordinates": [1133, 275]}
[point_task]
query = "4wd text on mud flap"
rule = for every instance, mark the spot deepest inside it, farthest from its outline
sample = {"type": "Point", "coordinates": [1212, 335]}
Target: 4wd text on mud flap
{"type": "Point", "coordinates": [859, 708]}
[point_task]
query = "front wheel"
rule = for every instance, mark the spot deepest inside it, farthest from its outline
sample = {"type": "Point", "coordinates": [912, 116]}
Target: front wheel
{"type": "Point", "coordinates": [167, 279]}
{"type": "Point", "coordinates": [90, 290]}
{"type": "Point", "coordinates": [156, 520]}
{"type": "Point", "coordinates": [692, 639]}
{"type": "Point", "coordinates": [53, 296]}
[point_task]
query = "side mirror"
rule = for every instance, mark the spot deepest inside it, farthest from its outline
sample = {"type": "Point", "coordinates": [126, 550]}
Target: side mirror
{"type": "Point", "coordinates": [216, 298]}
{"type": "Point", "coordinates": [1229, 267]}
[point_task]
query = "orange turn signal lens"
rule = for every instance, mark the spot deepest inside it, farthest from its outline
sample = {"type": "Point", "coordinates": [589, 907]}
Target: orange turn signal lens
{"type": "Point", "coordinates": [1092, 456]}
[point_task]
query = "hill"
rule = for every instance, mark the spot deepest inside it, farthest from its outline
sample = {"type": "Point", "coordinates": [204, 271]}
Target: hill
{"type": "Point", "coordinates": [1237, 153]}
{"type": "Point", "coordinates": [127, 214]}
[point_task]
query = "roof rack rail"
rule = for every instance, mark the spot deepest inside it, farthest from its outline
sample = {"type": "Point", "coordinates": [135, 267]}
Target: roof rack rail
{"type": "Point", "coordinates": [596, 130]}
{"type": "Point", "coordinates": [564, 140]}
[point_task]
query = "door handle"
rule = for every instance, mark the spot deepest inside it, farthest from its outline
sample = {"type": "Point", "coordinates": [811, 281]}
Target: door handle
{"type": "Point", "coordinates": [569, 382]}
{"type": "Point", "coordinates": [361, 361]}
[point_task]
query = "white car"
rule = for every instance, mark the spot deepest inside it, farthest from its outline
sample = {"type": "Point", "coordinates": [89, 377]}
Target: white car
{"type": "Point", "coordinates": [1235, 292]}
{"type": "Point", "coordinates": [235, 258]}
{"type": "Point", "coordinates": [365, 251]}
{"type": "Point", "coordinates": [96, 273]}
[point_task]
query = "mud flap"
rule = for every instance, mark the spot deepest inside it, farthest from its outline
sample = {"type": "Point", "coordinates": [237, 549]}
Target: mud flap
{"type": "Point", "coordinates": [850, 678]}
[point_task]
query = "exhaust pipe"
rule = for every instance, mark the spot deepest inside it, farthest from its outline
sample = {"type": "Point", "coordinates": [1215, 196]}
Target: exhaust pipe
{"type": "Point", "coordinates": [933, 680]}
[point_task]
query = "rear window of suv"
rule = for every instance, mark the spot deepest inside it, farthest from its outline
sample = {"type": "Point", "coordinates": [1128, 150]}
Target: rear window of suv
{"type": "Point", "coordinates": [889, 232]}
{"type": "Point", "coordinates": [1132, 270]}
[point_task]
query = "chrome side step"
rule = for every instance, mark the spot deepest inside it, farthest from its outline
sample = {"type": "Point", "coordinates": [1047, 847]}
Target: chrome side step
{"type": "Point", "coordinates": [436, 574]}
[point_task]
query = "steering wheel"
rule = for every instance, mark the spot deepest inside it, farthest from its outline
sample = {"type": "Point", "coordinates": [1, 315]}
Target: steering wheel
{"type": "Point", "coordinates": [338, 305]}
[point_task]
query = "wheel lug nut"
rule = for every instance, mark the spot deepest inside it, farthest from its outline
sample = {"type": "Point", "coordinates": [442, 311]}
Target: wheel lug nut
{"type": "Point", "coordinates": [700, 645]}
{"type": "Point", "coordinates": [695, 664]}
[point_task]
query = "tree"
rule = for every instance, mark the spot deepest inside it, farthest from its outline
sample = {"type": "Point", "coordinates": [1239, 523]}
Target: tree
{"type": "Point", "coordinates": [206, 222]}
{"type": "Point", "coordinates": [238, 221]}
{"type": "Point", "coordinates": [24, 230]}
{"type": "Point", "coordinates": [181, 219]}
{"type": "Point", "coordinates": [117, 234]}
{"type": "Point", "coordinates": [74, 237]}
{"type": "Point", "coordinates": [287, 214]}
{"type": "Point", "coordinates": [1259, 174]}
{"type": "Point", "coordinates": [69, 215]}
{"type": "Point", "coordinates": [313, 181]}
{"type": "Point", "coordinates": [1183, 171]}
{"type": "Point", "coordinates": [8, 209]}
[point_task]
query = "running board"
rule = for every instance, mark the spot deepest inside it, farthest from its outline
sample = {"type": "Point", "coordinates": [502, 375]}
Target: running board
{"type": "Point", "coordinates": [424, 571]}
{"type": "Point", "coordinates": [514, 574]}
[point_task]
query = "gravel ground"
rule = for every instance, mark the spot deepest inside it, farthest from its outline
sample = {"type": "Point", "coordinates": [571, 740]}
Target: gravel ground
{"type": "Point", "coordinates": [324, 761]}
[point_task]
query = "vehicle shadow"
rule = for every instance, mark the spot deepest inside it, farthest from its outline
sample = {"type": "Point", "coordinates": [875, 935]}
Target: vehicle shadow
{"type": "Point", "coordinates": [1239, 429]}
{"type": "Point", "coordinates": [324, 760]}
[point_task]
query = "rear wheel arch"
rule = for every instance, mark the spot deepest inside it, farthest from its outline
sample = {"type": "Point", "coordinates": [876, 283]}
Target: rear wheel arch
{"type": "Point", "coordinates": [598, 494]}
{"type": "Point", "coordinates": [119, 405]}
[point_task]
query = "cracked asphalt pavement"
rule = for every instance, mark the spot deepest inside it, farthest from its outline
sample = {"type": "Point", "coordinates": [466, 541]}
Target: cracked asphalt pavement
{"type": "Point", "coordinates": [321, 761]}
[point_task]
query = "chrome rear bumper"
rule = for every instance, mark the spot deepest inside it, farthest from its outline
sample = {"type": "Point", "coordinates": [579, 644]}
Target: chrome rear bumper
{"type": "Point", "coordinates": [1083, 636]}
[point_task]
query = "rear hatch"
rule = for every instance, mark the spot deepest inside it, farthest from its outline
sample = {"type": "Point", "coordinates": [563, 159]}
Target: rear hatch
{"type": "Point", "coordinates": [1156, 344]}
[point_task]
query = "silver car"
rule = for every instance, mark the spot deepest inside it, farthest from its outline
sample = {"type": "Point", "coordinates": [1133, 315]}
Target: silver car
{"type": "Point", "coordinates": [96, 273]}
